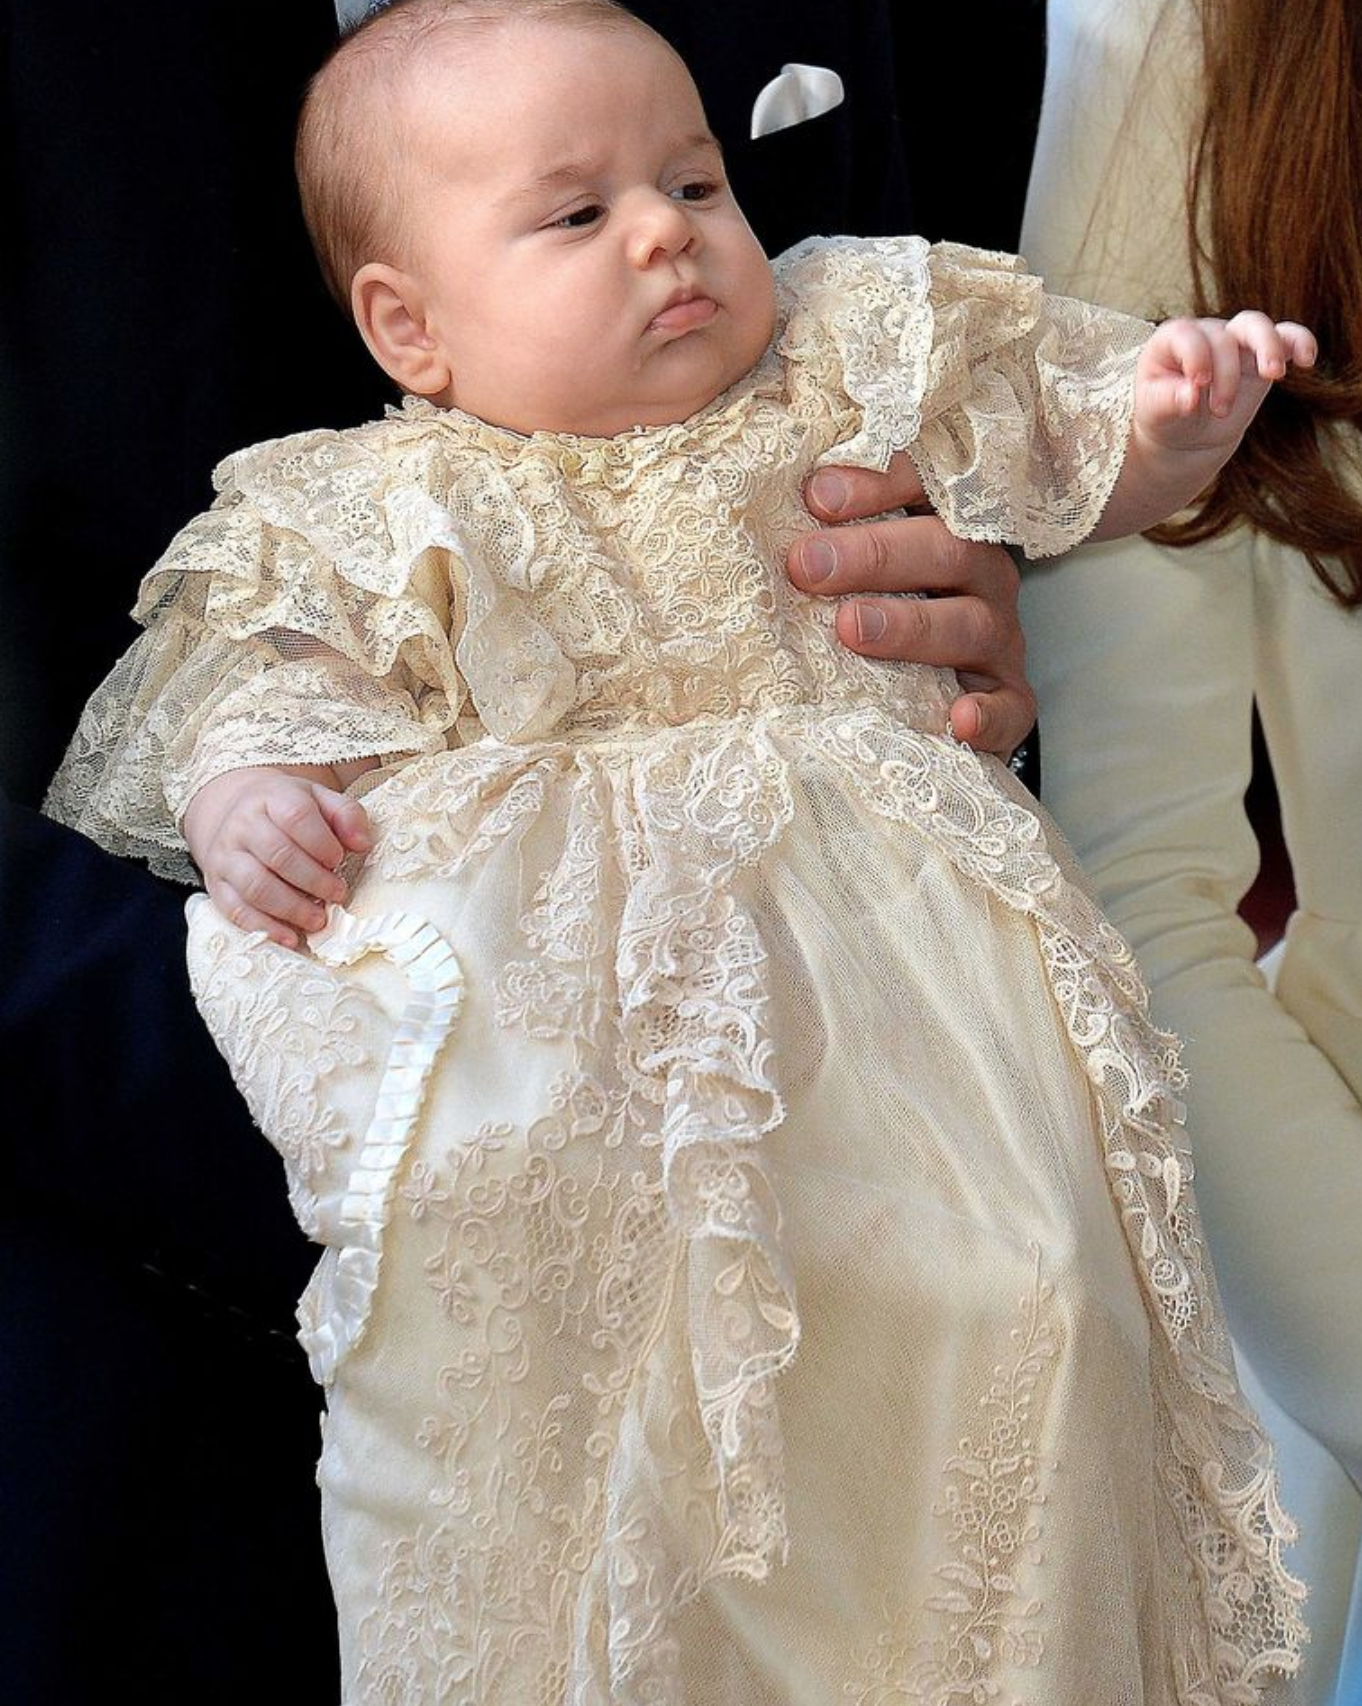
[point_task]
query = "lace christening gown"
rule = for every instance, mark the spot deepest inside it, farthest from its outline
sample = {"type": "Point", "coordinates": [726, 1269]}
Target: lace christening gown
{"type": "Point", "coordinates": [760, 1266]}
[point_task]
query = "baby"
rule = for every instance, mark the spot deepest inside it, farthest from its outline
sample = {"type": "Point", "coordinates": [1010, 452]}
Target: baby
{"type": "Point", "coordinates": [576, 276]}
{"type": "Point", "coordinates": [588, 1091]}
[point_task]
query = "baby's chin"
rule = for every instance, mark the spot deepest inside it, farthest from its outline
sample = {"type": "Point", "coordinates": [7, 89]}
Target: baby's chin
{"type": "Point", "coordinates": [672, 399]}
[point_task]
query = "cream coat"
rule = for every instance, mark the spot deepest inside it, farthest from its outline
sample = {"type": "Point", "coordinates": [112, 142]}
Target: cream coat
{"type": "Point", "coordinates": [1147, 664]}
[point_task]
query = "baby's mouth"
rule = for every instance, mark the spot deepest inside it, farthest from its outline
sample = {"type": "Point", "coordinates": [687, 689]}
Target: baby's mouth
{"type": "Point", "coordinates": [685, 314]}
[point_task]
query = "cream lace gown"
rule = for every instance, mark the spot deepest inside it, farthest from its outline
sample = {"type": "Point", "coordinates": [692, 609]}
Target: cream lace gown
{"type": "Point", "coordinates": [760, 1264]}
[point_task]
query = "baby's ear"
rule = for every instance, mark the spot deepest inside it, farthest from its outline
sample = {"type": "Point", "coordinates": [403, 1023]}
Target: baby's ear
{"type": "Point", "coordinates": [388, 310]}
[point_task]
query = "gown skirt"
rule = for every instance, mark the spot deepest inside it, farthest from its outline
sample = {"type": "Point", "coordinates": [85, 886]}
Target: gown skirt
{"type": "Point", "coordinates": [760, 1257]}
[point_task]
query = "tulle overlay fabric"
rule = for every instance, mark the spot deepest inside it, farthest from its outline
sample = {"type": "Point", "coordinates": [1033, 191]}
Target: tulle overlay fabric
{"type": "Point", "coordinates": [759, 1261]}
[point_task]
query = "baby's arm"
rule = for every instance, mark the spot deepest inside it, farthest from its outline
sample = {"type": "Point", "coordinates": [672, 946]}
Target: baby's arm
{"type": "Point", "coordinates": [1198, 384]}
{"type": "Point", "coordinates": [268, 841]}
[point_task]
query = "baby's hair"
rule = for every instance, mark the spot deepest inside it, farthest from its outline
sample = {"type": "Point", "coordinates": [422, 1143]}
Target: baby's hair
{"type": "Point", "coordinates": [351, 133]}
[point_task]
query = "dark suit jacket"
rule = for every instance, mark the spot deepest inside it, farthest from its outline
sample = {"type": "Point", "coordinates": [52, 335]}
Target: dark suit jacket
{"type": "Point", "coordinates": [157, 1516]}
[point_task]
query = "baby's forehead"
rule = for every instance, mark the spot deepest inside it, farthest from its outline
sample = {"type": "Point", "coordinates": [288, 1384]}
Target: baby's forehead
{"type": "Point", "coordinates": [404, 92]}
{"type": "Point", "coordinates": [485, 95]}
{"type": "Point", "coordinates": [437, 61]}
{"type": "Point", "coordinates": [465, 49]}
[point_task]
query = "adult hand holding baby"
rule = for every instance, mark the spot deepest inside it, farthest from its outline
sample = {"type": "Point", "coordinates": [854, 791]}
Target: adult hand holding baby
{"type": "Point", "coordinates": [970, 623]}
{"type": "Point", "coordinates": [1198, 385]}
{"type": "Point", "coordinates": [268, 842]}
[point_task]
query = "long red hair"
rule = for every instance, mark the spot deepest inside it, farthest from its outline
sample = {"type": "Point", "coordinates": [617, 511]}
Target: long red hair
{"type": "Point", "coordinates": [1275, 218]}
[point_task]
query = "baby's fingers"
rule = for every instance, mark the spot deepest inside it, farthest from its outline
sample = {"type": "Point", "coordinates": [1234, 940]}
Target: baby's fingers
{"type": "Point", "coordinates": [1262, 348]}
{"type": "Point", "coordinates": [296, 816]}
{"type": "Point", "coordinates": [347, 820]}
{"type": "Point", "coordinates": [288, 862]}
{"type": "Point", "coordinates": [296, 843]}
{"type": "Point", "coordinates": [1302, 348]}
{"type": "Point", "coordinates": [266, 899]}
{"type": "Point", "coordinates": [1269, 347]}
{"type": "Point", "coordinates": [235, 910]}
{"type": "Point", "coordinates": [1180, 365]}
{"type": "Point", "coordinates": [1226, 365]}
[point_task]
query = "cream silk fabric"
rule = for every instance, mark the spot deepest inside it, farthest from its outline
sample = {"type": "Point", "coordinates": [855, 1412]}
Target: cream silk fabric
{"type": "Point", "coordinates": [760, 1261]}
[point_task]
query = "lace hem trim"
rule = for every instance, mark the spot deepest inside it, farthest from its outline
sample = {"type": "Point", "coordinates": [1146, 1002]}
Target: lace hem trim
{"type": "Point", "coordinates": [1222, 1487]}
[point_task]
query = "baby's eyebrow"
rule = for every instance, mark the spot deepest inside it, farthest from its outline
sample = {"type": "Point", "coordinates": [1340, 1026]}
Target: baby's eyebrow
{"type": "Point", "coordinates": [574, 172]}
{"type": "Point", "coordinates": [564, 177]}
{"type": "Point", "coordinates": [699, 139]}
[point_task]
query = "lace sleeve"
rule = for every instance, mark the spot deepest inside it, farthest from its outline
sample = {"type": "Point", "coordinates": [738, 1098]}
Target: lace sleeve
{"type": "Point", "coordinates": [308, 617]}
{"type": "Point", "coordinates": [1014, 405]}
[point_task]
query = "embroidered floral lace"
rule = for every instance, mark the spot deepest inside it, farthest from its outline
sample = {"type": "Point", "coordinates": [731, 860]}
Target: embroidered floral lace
{"type": "Point", "coordinates": [761, 1265]}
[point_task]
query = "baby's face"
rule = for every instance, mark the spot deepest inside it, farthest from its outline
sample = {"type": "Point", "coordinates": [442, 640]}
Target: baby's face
{"type": "Point", "coordinates": [580, 261]}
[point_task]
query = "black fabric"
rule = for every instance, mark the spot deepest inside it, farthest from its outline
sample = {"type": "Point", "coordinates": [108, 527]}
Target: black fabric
{"type": "Point", "coordinates": [158, 1522]}
{"type": "Point", "coordinates": [158, 308]}
{"type": "Point", "coordinates": [158, 1517]}
{"type": "Point", "coordinates": [126, 1127]}
{"type": "Point", "coordinates": [843, 171]}
{"type": "Point", "coordinates": [159, 1540]}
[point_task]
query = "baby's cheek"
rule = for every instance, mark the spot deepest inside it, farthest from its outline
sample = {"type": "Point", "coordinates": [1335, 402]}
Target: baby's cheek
{"type": "Point", "coordinates": [762, 313]}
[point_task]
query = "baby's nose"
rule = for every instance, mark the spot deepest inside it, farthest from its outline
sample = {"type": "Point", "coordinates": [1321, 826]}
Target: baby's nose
{"type": "Point", "coordinates": [662, 226]}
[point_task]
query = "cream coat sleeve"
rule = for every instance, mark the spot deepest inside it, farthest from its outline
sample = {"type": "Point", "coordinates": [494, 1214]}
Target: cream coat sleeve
{"type": "Point", "coordinates": [1147, 664]}
{"type": "Point", "coordinates": [1144, 661]}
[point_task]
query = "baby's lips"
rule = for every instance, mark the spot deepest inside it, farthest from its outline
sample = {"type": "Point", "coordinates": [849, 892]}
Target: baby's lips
{"type": "Point", "coordinates": [687, 316]}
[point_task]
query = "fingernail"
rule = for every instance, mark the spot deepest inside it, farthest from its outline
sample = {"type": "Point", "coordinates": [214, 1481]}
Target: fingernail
{"type": "Point", "coordinates": [818, 559]}
{"type": "Point", "coordinates": [829, 492]}
{"type": "Point", "coordinates": [870, 623]}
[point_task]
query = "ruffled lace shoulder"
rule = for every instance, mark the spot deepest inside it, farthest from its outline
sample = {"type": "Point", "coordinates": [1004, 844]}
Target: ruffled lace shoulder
{"type": "Point", "coordinates": [328, 536]}
{"type": "Point", "coordinates": [1014, 405]}
{"type": "Point", "coordinates": [305, 618]}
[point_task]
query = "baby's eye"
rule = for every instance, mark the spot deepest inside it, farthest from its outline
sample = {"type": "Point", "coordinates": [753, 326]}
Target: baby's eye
{"type": "Point", "coordinates": [696, 189]}
{"type": "Point", "coordinates": [579, 217]}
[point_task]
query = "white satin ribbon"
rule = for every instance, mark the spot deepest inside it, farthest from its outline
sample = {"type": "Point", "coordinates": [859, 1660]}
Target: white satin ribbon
{"type": "Point", "coordinates": [800, 92]}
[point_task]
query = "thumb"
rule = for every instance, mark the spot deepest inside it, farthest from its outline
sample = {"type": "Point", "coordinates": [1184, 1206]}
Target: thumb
{"type": "Point", "coordinates": [856, 494]}
{"type": "Point", "coordinates": [345, 818]}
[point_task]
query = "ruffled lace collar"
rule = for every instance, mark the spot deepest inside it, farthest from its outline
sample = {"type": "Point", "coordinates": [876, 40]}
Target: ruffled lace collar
{"type": "Point", "coordinates": [578, 452]}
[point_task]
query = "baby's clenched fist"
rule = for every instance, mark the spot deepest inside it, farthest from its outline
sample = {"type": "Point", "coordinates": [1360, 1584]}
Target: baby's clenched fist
{"type": "Point", "coordinates": [268, 842]}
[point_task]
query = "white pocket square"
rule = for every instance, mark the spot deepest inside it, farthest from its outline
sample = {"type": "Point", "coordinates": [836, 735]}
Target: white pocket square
{"type": "Point", "coordinates": [800, 92]}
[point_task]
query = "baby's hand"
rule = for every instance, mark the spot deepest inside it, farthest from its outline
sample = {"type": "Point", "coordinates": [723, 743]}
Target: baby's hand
{"type": "Point", "coordinates": [1199, 383]}
{"type": "Point", "coordinates": [268, 843]}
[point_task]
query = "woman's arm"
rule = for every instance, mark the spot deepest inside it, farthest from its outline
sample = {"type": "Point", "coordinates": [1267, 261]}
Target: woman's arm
{"type": "Point", "coordinates": [1143, 662]}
